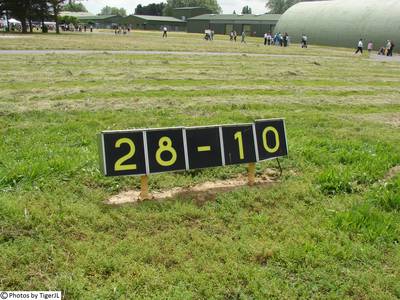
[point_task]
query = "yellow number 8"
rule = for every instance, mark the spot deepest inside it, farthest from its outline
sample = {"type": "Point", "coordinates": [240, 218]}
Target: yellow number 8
{"type": "Point", "coordinates": [265, 143]}
{"type": "Point", "coordinates": [165, 144]}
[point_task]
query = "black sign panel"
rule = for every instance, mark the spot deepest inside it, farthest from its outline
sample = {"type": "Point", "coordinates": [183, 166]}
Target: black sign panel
{"type": "Point", "coordinates": [134, 152]}
{"type": "Point", "coordinates": [204, 147]}
{"type": "Point", "coordinates": [271, 139]}
{"type": "Point", "coordinates": [166, 150]}
{"type": "Point", "coordinates": [123, 153]}
{"type": "Point", "coordinates": [239, 146]}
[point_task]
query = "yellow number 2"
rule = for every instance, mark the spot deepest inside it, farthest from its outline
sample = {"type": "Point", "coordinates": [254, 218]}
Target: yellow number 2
{"type": "Point", "coordinates": [265, 143]}
{"type": "Point", "coordinates": [238, 136]}
{"type": "Point", "coordinates": [119, 164]}
{"type": "Point", "coordinates": [165, 145]}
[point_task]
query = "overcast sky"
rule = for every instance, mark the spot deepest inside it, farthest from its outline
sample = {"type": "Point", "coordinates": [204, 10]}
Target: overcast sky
{"type": "Point", "coordinates": [228, 6]}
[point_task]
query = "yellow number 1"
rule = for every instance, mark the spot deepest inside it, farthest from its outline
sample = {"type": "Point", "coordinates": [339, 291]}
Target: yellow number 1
{"type": "Point", "coordinates": [119, 164]}
{"type": "Point", "coordinates": [238, 136]}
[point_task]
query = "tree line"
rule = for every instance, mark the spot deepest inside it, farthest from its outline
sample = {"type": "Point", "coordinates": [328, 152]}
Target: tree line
{"type": "Point", "coordinates": [26, 11]}
{"type": "Point", "coordinates": [160, 9]}
{"type": "Point", "coordinates": [280, 6]}
{"type": "Point", "coordinates": [41, 10]}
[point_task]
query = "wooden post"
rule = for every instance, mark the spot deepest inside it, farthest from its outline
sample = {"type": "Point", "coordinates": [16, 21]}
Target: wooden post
{"type": "Point", "coordinates": [144, 188]}
{"type": "Point", "coordinates": [251, 175]}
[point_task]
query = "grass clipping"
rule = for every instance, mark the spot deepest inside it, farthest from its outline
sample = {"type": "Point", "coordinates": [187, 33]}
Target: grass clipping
{"type": "Point", "coordinates": [202, 192]}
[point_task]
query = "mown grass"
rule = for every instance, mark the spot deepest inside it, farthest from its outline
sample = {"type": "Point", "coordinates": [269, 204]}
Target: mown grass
{"type": "Point", "coordinates": [149, 40]}
{"type": "Point", "coordinates": [329, 229]}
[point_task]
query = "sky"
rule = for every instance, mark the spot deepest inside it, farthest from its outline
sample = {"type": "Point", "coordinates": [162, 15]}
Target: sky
{"type": "Point", "coordinates": [228, 6]}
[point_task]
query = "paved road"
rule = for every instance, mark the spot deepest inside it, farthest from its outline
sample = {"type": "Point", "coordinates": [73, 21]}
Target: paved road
{"type": "Point", "coordinates": [151, 52]}
{"type": "Point", "coordinates": [185, 53]}
{"type": "Point", "coordinates": [385, 58]}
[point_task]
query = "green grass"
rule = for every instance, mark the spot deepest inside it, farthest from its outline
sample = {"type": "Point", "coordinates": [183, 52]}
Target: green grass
{"type": "Point", "coordinates": [328, 230]}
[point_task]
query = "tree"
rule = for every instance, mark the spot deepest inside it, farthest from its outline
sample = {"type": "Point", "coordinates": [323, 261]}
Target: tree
{"type": "Point", "coordinates": [27, 10]}
{"type": "Point", "coordinates": [280, 6]}
{"type": "Point", "coordinates": [246, 10]}
{"type": "Point", "coordinates": [56, 6]}
{"type": "Point", "coordinates": [109, 10]}
{"type": "Point", "coordinates": [76, 7]}
{"type": "Point", "coordinates": [210, 4]}
{"type": "Point", "coordinates": [19, 9]}
{"type": "Point", "coordinates": [42, 12]}
{"type": "Point", "coordinates": [153, 9]}
{"type": "Point", "coordinates": [69, 20]}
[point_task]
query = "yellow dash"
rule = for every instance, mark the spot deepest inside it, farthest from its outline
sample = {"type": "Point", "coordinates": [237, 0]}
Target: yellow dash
{"type": "Point", "coordinates": [204, 148]}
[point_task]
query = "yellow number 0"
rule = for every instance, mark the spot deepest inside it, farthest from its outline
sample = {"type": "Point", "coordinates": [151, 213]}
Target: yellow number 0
{"type": "Point", "coordinates": [238, 136]}
{"type": "Point", "coordinates": [264, 137]}
{"type": "Point", "coordinates": [165, 144]}
{"type": "Point", "coordinates": [119, 164]}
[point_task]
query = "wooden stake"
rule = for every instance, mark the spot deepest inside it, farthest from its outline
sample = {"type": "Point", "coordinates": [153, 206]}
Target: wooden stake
{"type": "Point", "coordinates": [251, 175]}
{"type": "Point", "coordinates": [144, 188]}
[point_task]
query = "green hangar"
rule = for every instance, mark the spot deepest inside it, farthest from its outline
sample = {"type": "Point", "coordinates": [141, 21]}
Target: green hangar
{"type": "Point", "coordinates": [343, 22]}
{"type": "Point", "coordinates": [184, 13]}
{"type": "Point", "coordinates": [254, 25]}
{"type": "Point", "coordinates": [154, 22]}
{"type": "Point", "coordinates": [107, 21]}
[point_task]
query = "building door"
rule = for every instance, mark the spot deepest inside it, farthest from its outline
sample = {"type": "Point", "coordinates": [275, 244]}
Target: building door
{"type": "Point", "coordinates": [247, 29]}
{"type": "Point", "coordinates": [228, 28]}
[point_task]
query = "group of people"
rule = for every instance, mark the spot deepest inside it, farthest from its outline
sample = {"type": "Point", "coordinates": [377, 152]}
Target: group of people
{"type": "Point", "coordinates": [278, 39]}
{"type": "Point", "coordinates": [79, 28]}
{"type": "Point", "coordinates": [233, 36]}
{"type": "Point", "coordinates": [386, 50]}
{"type": "Point", "coordinates": [209, 35]}
{"type": "Point", "coordinates": [122, 29]}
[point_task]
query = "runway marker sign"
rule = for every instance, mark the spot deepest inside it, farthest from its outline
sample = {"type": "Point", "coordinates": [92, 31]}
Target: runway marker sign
{"type": "Point", "coordinates": [150, 151]}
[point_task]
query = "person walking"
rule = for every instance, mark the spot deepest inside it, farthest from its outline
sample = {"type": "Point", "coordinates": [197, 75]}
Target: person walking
{"type": "Point", "coordinates": [304, 41]}
{"type": "Point", "coordinates": [234, 36]}
{"type": "Point", "coordinates": [370, 47]}
{"type": "Point", "coordinates": [360, 46]}
{"type": "Point", "coordinates": [243, 37]}
{"type": "Point", "coordinates": [269, 39]}
{"type": "Point", "coordinates": [387, 47]}
{"type": "Point", "coordinates": [265, 39]}
{"type": "Point", "coordinates": [165, 34]}
{"type": "Point", "coordinates": [285, 39]}
{"type": "Point", "coordinates": [276, 39]}
{"type": "Point", "coordinates": [390, 49]}
{"type": "Point", "coordinates": [280, 38]}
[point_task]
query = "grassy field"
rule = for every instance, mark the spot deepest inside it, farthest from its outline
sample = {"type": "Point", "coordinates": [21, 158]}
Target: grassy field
{"type": "Point", "coordinates": [330, 228]}
{"type": "Point", "coordinates": [145, 40]}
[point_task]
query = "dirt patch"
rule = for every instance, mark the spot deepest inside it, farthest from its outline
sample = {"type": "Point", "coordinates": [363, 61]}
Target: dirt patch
{"type": "Point", "coordinates": [392, 173]}
{"type": "Point", "coordinates": [11, 36]}
{"type": "Point", "coordinates": [201, 193]}
{"type": "Point", "coordinates": [392, 119]}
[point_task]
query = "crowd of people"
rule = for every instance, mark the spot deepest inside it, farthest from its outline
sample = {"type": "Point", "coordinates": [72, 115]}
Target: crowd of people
{"type": "Point", "coordinates": [278, 39]}
{"type": "Point", "coordinates": [386, 50]}
{"type": "Point", "coordinates": [17, 27]}
{"type": "Point", "coordinates": [77, 28]}
{"type": "Point", "coordinates": [283, 40]}
{"type": "Point", "coordinates": [121, 30]}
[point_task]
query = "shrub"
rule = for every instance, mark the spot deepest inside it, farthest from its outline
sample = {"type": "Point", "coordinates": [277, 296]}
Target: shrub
{"type": "Point", "coordinates": [368, 222]}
